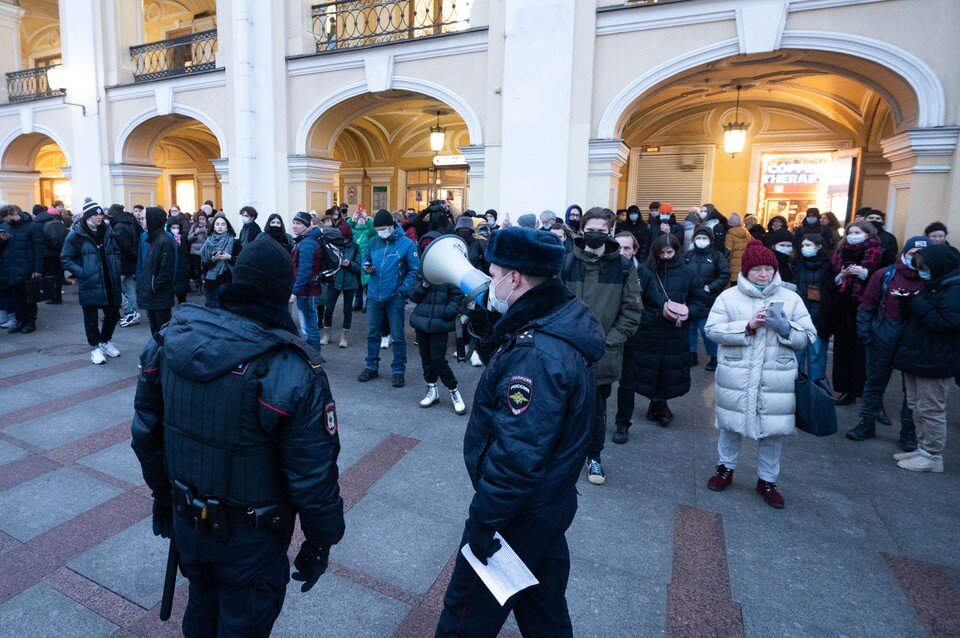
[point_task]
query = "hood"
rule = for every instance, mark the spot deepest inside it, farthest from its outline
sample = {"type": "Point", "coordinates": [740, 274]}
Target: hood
{"type": "Point", "coordinates": [425, 241]}
{"type": "Point", "coordinates": [746, 287]}
{"type": "Point", "coordinates": [552, 309]}
{"type": "Point", "coordinates": [942, 260]}
{"type": "Point", "coordinates": [316, 233]}
{"type": "Point", "coordinates": [44, 217]}
{"type": "Point", "coordinates": [202, 344]}
{"type": "Point", "coordinates": [125, 217]}
{"type": "Point", "coordinates": [24, 218]}
{"type": "Point", "coordinates": [334, 236]}
{"type": "Point", "coordinates": [775, 218]}
{"type": "Point", "coordinates": [706, 231]}
{"type": "Point", "coordinates": [156, 219]}
{"type": "Point", "coordinates": [566, 215]}
{"type": "Point", "coordinates": [528, 220]}
{"type": "Point", "coordinates": [611, 246]}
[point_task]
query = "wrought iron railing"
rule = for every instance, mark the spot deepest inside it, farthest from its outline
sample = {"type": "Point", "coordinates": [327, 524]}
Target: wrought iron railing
{"type": "Point", "coordinates": [30, 84]}
{"type": "Point", "coordinates": [343, 24]}
{"type": "Point", "coordinates": [177, 56]}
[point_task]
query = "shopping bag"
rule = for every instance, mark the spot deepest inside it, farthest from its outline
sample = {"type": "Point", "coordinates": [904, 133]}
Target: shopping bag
{"type": "Point", "coordinates": [40, 289]}
{"type": "Point", "coordinates": [816, 407]}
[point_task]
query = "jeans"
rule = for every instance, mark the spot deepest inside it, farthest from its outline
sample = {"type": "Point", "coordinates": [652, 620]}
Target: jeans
{"type": "Point", "coordinates": [332, 305]}
{"type": "Point", "coordinates": [699, 326]}
{"type": "Point", "coordinates": [768, 453]}
{"type": "Point", "coordinates": [599, 421]}
{"type": "Point", "coordinates": [433, 354]}
{"type": "Point", "coordinates": [927, 399]}
{"type": "Point", "coordinates": [392, 310]}
{"type": "Point", "coordinates": [817, 351]}
{"type": "Point", "coordinates": [307, 310]}
{"type": "Point", "coordinates": [879, 371]}
{"type": "Point", "coordinates": [91, 323]}
{"type": "Point", "coordinates": [128, 295]}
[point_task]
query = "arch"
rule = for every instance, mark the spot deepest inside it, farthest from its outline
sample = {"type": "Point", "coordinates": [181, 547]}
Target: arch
{"type": "Point", "coordinates": [37, 128]}
{"type": "Point", "coordinates": [177, 109]}
{"type": "Point", "coordinates": [927, 88]}
{"type": "Point", "coordinates": [416, 85]}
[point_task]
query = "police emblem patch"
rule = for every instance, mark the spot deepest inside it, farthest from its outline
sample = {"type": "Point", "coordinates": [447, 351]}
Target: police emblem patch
{"type": "Point", "coordinates": [519, 393]}
{"type": "Point", "coordinates": [330, 418]}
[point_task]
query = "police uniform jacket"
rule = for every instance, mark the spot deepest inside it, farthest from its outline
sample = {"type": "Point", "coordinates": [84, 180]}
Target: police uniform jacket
{"type": "Point", "coordinates": [532, 415]}
{"type": "Point", "coordinates": [291, 406]}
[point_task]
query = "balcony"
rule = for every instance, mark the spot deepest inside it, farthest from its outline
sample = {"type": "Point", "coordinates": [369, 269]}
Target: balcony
{"type": "Point", "coordinates": [30, 84]}
{"type": "Point", "coordinates": [345, 24]}
{"type": "Point", "coordinates": [184, 55]}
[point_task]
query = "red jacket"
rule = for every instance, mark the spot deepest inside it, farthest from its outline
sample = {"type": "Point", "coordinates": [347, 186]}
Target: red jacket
{"type": "Point", "coordinates": [903, 279]}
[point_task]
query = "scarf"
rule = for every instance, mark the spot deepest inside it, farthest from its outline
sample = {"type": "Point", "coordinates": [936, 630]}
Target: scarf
{"type": "Point", "coordinates": [216, 243]}
{"type": "Point", "coordinates": [867, 254]}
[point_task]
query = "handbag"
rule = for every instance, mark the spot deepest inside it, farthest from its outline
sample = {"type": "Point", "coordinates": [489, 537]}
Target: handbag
{"type": "Point", "coordinates": [40, 289]}
{"type": "Point", "coordinates": [673, 310]}
{"type": "Point", "coordinates": [816, 407]}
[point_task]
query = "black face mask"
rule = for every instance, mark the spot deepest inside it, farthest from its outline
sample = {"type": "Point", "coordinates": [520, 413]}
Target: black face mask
{"type": "Point", "coordinates": [594, 239]}
{"type": "Point", "coordinates": [877, 225]}
{"type": "Point", "coordinates": [574, 224]}
{"type": "Point", "coordinates": [465, 233]}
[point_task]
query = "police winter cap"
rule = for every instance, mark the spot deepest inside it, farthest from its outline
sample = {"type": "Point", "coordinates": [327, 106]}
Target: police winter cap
{"type": "Point", "coordinates": [525, 250]}
{"type": "Point", "coordinates": [266, 266]}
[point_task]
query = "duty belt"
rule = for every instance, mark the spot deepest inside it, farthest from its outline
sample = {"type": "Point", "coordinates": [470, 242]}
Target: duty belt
{"type": "Point", "coordinates": [214, 518]}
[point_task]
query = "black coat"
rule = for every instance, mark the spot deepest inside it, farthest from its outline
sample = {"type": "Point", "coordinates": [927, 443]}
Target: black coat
{"type": "Point", "coordinates": [713, 269]}
{"type": "Point", "coordinates": [437, 307]}
{"type": "Point", "coordinates": [532, 414]}
{"type": "Point", "coordinates": [814, 229]}
{"type": "Point", "coordinates": [890, 247]}
{"type": "Point", "coordinates": [675, 228]}
{"type": "Point", "coordinates": [810, 274]}
{"type": "Point", "coordinates": [126, 232]}
{"type": "Point", "coordinates": [930, 342]}
{"type": "Point", "coordinates": [22, 254]}
{"type": "Point", "coordinates": [181, 280]}
{"type": "Point", "coordinates": [155, 284]}
{"type": "Point", "coordinates": [94, 260]}
{"type": "Point", "coordinates": [658, 363]}
{"type": "Point", "coordinates": [641, 232]}
{"type": "Point", "coordinates": [54, 232]}
{"type": "Point", "coordinates": [249, 232]}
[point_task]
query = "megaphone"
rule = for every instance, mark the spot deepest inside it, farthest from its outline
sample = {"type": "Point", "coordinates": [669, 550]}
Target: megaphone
{"type": "Point", "coordinates": [444, 261]}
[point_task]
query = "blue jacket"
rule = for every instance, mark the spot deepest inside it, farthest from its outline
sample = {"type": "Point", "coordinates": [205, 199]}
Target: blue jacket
{"type": "Point", "coordinates": [304, 251]}
{"type": "Point", "coordinates": [396, 263]}
{"type": "Point", "coordinates": [22, 254]}
{"type": "Point", "coordinates": [532, 415]}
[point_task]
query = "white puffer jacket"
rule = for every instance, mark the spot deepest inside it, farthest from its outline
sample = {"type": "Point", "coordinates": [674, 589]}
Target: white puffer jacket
{"type": "Point", "coordinates": [756, 374]}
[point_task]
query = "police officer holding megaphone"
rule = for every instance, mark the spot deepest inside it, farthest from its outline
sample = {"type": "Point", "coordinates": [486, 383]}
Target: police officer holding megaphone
{"type": "Point", "coordinates": [529, 428]}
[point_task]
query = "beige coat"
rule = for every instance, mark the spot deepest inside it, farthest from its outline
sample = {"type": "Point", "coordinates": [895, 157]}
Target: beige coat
{"type": "Point", "coordinates": [756, 373]}
{"type": "Point", "coordinates": [737, 239]}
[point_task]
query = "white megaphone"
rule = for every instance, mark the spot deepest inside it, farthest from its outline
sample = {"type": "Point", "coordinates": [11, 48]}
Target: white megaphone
{"type": "Point", "coordinates": [444, 261]}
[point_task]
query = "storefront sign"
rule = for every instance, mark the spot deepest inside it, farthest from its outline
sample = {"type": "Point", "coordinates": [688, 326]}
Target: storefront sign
{"type": "Point", "coordinates": [449, 160]}
{"type": "Point", "coordinates": [794, 171]}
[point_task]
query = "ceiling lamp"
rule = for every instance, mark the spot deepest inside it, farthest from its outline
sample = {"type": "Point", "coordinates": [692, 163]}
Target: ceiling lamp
{"type": "Point", "coordinates": [735, 133]}
{"type": "Point", "coordinates": [437, 136]}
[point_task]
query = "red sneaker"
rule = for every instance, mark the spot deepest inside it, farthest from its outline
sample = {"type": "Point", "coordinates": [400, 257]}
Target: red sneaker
{"type": "Point", "coordinates": [721, 479]}
{"type": "Point", "coordinates": [771, 495]}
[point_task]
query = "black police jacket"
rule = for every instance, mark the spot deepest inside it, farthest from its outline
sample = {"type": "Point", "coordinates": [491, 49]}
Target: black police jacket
{"type": "Point", "coordinates": [295, 406]}
{"type": "Point", "coordinates": [527, 438]}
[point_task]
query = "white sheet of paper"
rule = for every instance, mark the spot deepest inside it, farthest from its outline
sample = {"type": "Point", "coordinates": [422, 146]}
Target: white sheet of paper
{"type": "Point", "coordinates": [504, 574]}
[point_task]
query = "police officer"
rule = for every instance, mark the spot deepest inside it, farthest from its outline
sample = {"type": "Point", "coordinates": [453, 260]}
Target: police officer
{"type": "Point", "coordinates": [236, 432]}
{"type": "Point", "coordinates": [527, 437]}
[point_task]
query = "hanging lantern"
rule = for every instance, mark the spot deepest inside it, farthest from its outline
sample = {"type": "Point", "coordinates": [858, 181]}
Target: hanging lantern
{"type": "Point", "coordinates": [437, 134]}
{"type": "Point", "coordinates": [735, 133]}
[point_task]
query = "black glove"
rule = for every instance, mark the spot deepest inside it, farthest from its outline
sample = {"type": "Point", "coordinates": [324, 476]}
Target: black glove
{"type": "Point", "coordinates": [310, 564]}
{"type": "Point", "coordinates": [162, 515]}
{"type": "Point", "coordinates": [481, 541]}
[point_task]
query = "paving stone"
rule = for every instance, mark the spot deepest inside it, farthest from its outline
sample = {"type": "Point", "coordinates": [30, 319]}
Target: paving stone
{"type": "Point", "coordinates": [10, 452]}
{"type": "Point", "coordinates": [604, 601]}
{"type": "Point", "coordinates": [43, 611]}
{"type": "Point", "coordinates": [355, 442]}
{"type": "Point", "coordinates": [117, 460]}
{"type": "Point", "coordinates": [337, 607]}
{"type": "Point", "coordinates": [40, 504]}
{"type": "Point", "coordinates": [132, 564]}
{"type": "Point", "coordinates": [77, 422]}
{"type": "Point", "coordinates": [55, 386]}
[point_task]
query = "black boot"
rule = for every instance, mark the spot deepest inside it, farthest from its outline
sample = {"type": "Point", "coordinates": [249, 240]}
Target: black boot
{"type": "Point", "coordinates": [693, 359]}
{"type": "Point", "coordinates": [621, 435]}
{"type": "Point", "coordinates": [908, 437]}
{"type": "Point", "coordinates": [711, 365]}
{"type": "Point", "coordinates": [864, 430]}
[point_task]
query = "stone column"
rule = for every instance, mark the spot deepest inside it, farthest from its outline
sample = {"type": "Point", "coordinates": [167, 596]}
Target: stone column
{"type": "Point", "coordinates": [208, 188]}
{"type": "Point", "coordinates": [10, 17]}
{"type": "Point", "coordinates": [228, 201]}
{"type": "Point", "coordinates": [132, 184]}
{"type": "Point", "coordinates": [477, 197]}
{"type": "Point", "coordinates": [920, 179]}
{"type": "Point", "coordinates": [315, 180]}
{"type": "Point", "coordinates": [606, 159]}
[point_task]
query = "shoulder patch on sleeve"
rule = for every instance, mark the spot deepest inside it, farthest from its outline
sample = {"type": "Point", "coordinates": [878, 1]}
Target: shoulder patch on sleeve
{"type": "Point", "coordinates": [519, 393]}
{"type": "Point", "coordinates": [525, 338]}
{"type": "Point", "coordinates": [330, 418]}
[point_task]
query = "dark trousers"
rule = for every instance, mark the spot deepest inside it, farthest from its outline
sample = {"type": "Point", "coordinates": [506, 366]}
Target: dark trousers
{"type": "Point", "coordinates": [26, 311]}
{"type": "Point", "coordinates": [91, 323]}
{"type": "Point", "coordinates": [626, 402]}
{"type": "Point", "coordinates": [471, 611]}
{"type": "Point", "coordinates": [332, 305]}
{"type": "Point", "coordinates": [358, 299]}
{"type": "Point", "coordinates": [433, 354]}
{"type": "Point", "coordinates": [158, 318]}
{"type": "Point", "coordinates": [53, 268]}
{"type": "Point", "coordinates": [879, 371]}
{"type": "Point", "coordinates": [599, 421]}
{"type": "Point", "coordinates": [849, 356]}
{"type": "Point", "coordinates": [236, 588]}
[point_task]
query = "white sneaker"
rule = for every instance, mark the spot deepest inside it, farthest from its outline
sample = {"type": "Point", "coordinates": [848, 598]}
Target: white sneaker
{"type": "Point", "coordinates": [475, 360]}
{"type": "Point", "coordinates": [903, 456]}
{"type": "Point", "coordinates": [343, 339]}
{"type": "Point", "coordinates": [97, 356]}
{"type": "Point", "coordinates": [385, 342]}
{"type": "Point", "coordinates": [10, 323]}
{"type": "Point", "coordinates": [923, 462]}
{"type": "Point", "coordinates": [130, 320]}
{"type": "Point", "coordinates": [458, 405]}
{"type": "Point", "coordinates": [325, 338]}
{"type": "Point", "coordinates": [110, 350]}
{"type": "Point", "coordinates": [432, 397]}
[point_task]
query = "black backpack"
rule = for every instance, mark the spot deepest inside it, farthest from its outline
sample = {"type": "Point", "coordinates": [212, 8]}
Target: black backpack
{"type": "Point", "coordinates": [327, 261]}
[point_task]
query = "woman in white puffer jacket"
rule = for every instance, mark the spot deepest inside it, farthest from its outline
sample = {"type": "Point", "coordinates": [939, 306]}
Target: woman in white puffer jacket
{"type": "Point", "coordinates": [757, 367]}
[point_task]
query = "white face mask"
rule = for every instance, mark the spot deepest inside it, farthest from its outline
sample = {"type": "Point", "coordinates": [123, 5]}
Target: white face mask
{"type": "Point", "coordinates": [634, 217]}
{"type": "Point", "coordinates": [664, 218]}
{"type": "Point", "coordinates": [385, 233]}
{"type": "Point", "coordinates": [856, 239]}
{"type": "Point", "coordinates": [808, 251]}
{"type": "Point", "coordinates": [246, 220]}
{"type": "Point", "coordinates": [495, 304]}
{"type": "Point", "coordinates": [702, 214]}
{"type": "Point", "coordinates": [701, 243]}
{"type": "Point", "coordinates": [786, 250]}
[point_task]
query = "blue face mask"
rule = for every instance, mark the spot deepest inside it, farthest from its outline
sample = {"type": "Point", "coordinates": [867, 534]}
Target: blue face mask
{"type": "Point", "coordinates": [907, 261]}
{"type": "Point", "coordinates": [925, 275]}
{"type": "Point", "coordinates": [760, 287]}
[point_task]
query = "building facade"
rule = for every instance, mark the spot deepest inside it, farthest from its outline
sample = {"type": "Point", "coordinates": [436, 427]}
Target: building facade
{"type": "Point", "coordinates": [517, 105]}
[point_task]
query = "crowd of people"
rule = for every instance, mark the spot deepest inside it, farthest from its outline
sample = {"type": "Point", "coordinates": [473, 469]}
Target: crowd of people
{"type": "Point", "coordinates": [658, 285]}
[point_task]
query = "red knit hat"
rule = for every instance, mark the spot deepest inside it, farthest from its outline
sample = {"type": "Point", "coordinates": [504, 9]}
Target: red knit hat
{"type": "Point", "coordinates": [756, 254]}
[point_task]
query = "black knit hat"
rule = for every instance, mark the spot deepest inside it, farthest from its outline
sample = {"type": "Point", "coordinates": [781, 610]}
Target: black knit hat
{"type": "Point", "coordinates": [383, 218]}
{"type": "Point", "coordinates": [91, 208]}
{"type": "Point", "coordinates": [114, 210]}
{"type": "Point", "coordinates": [532, 252]}
{"type": "Point", "coordinates": [266, 266]}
